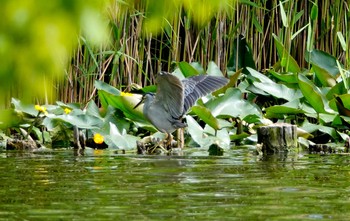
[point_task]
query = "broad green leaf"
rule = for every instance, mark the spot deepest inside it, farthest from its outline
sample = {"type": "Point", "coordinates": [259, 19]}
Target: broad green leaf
{"type": "Point", "coordinates": [286, 77]}
{"type": "Point", "coordinates": [279, 90]}
{"type": "Point", "coordinates": [324, 77]}
{"type": "Point", "coordinates": [123, 101]}
{"type": "Point", "coordinates": [310, 128]}
{"type": "Point", "coordinates": [82, 121]}
{"type": "Point", "coordinates": [219, 137]}
{"type": "Point", "coordinates": [291, 65]}
{"type": "Point", "coordinates": [187, 70]}
{"type": "Point", "coordinates": [214, 70]}
{"type": "Point", "coordinates": [100, 85]}
{"type": "Point", "coordinates": [324, 61]}
{"type": "Point", "coordinates": [25, 108]}
{"type": "Point", "coordinates": [259, 76]}
{"type": "Point", "coordinates": [289, 108]}
{"type": "Point", "coordinates": [205, 115]}
{"type": "Point", "coordinates": [232, 104]}
{"type": "Point", "coordinates": [338, 89]}
{"type": "Point", "coordinates": [120, 140]}
{"type": "Point", "coordinates": [92, 109]}
{"type": "Point", "coordinates": [343, 104]}
{"type": "Point", "coordinates": [312, 94]}
{"type": "Point", "coordinates": [197, 132]}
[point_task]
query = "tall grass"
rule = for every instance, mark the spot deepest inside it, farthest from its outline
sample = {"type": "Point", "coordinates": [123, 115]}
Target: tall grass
{"type": "Point", "coordinates": [134, 56]}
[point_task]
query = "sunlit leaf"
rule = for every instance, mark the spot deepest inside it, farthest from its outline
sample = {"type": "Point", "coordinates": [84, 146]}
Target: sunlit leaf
{"type": "Point", "coordinates": [122, 101]}
{"type": "Point", "coordinates": [187, 70]}
{"type": "Point", "coordinates": [213, 69]}
{"type": "Point", "coordinates": [279, 90]}
{"type": "Point", "coordinates": [120, 140]}
{"type": "Point", "coordinates": [232, 104]}
{"type": "Point", "coordinates": [313, 95]}
{"type": "Point", "coordinates": [205, 115]}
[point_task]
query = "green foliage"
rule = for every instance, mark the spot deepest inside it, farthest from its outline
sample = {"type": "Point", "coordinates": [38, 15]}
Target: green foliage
{"type": "Point", "coordinates": [37, 40]}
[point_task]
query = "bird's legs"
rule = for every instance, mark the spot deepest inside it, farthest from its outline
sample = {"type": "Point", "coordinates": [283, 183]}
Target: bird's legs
{"type": "Point", "coordinates": [168, 139]}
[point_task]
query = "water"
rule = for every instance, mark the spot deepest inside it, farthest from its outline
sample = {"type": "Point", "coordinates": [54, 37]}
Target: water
{"type": "Point", "coordinates": [102, 185]}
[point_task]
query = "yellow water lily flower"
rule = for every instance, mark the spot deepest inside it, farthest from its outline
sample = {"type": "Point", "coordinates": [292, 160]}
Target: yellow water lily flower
{"type": "Point", "coordinates": [67, 110]}
{"type": "Point", "coordinates": [126, 94]}
{"type": "Point", "coordinates": [41, 109]}
{"type": "Point", "coordinates": [98, 138]}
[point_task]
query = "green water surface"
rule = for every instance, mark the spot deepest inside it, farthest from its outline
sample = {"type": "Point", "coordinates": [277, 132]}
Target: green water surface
{"type": "Point", "coordinates": [102, 185]}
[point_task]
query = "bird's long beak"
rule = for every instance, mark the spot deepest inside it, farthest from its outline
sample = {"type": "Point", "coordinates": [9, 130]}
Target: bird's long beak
{"type": "Point", "coordinates": [139, 103]}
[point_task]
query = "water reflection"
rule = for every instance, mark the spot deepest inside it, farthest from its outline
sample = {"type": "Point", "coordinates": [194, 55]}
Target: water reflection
{"type": "Point", "coordinates": [102, 185]}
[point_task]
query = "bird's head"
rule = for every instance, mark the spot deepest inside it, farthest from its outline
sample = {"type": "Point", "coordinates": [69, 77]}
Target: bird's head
{"type": "Point", "coordinates": [146, 97]}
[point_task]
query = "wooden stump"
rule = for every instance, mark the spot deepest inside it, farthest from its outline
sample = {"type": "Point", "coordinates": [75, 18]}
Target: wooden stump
{"type": "Point", "coordinates": [277, 138]}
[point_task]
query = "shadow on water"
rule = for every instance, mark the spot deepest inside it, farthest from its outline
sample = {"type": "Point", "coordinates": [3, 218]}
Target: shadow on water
{"type": "Point", "coordinates": [102, 185]}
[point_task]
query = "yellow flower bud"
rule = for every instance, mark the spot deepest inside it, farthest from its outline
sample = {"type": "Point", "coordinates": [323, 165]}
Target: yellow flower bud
{"type": "Point", "coordinates": [67, 110]}
{"type": "Point", "coordinates": [98, 138]}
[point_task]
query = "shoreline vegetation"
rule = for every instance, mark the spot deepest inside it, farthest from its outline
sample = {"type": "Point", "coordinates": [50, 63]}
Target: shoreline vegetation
{"type": "Point", "coordinates": [287, 62]}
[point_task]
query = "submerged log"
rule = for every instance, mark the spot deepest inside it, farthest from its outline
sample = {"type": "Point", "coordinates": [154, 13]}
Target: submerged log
{"type": "Point", "coordinates": [277, 138]}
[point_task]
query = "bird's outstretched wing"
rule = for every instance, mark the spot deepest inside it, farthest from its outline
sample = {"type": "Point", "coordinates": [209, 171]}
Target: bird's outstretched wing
{"type": "Point", "coordinates": [198, 86]}
{"type": "Point", "coordinates": [170, 94]}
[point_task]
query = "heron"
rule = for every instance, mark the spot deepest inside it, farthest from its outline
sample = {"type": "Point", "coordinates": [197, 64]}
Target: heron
{"type": "Point", "coordinates": [165, 108]}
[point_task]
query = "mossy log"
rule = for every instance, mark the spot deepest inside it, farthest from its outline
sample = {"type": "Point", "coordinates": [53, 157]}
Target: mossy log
{"type": "Point", "coordinates": [277, 138]}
